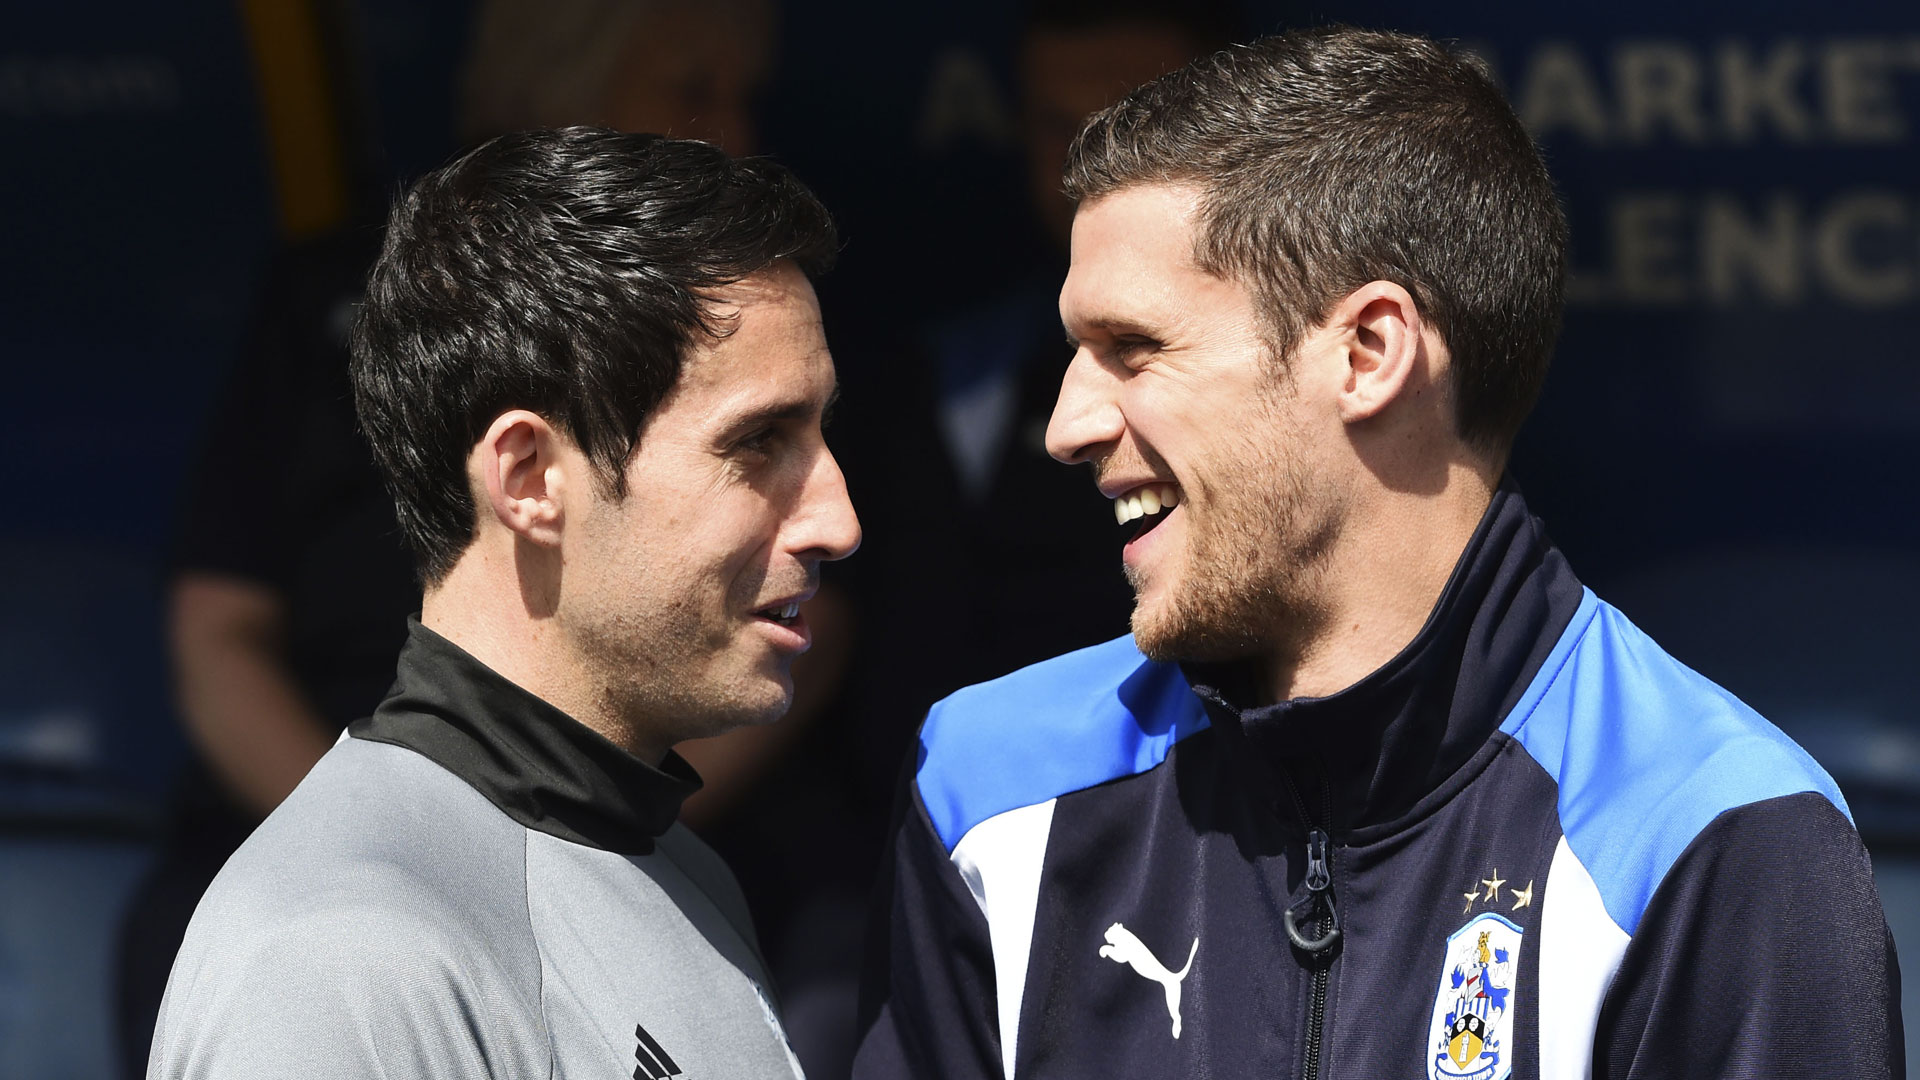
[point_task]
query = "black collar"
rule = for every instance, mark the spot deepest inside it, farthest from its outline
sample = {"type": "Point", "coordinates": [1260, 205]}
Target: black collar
{"type": "Point", "coordinates": [541, 767]}
{"type": "Point", "coordinates": [1368, 754]}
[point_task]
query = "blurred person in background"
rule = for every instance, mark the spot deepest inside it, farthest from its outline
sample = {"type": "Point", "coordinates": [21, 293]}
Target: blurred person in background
{"type": "Point", "coordinates": [993, 556]}
{"type": "Point", "coordinates": [291, 583]}
{"type": "Point", "coordinates": [593, 374]}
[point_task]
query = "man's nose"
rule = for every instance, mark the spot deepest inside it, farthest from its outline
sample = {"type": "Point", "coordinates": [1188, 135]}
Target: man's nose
{"type": "Point", "coordinates": [830, 529]}
{"type": "Point", "coordinates": [1086, 416]}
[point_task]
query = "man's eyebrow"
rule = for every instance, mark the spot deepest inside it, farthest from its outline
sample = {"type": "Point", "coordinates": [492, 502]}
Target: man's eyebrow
{"type": "Point", "coordinates": [779, 412]}
{"type": "Point", "coordinates": [1110, 324]}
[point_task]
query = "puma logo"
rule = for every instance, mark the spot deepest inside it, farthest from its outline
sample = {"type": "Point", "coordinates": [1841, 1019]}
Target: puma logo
{"type": "Point", "coordinates": [1123, 948]}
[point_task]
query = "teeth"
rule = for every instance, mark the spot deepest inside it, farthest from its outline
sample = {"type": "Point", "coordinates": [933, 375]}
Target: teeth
{"type": "Point", "coordinates": [790, 611]}
{"type": "Point", "coordinates": [1145, 501]}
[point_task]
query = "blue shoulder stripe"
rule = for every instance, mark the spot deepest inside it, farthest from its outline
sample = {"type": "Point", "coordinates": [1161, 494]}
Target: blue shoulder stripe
{"type": "Point", "coordinates": [1062, 725]}
{"type": "Point", "coordinates": [1646, 753]}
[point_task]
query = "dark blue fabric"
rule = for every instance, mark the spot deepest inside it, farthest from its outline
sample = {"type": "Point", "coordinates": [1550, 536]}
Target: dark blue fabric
{"type": "Point", "coordinates": [1193, 849]}
{"type": "Point", "coordinates": [1764, 953]}
{"type": "Point", "coordinates": [938, 1023]}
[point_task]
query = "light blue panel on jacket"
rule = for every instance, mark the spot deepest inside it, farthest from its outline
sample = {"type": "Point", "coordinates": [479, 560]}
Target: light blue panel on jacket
{"type": "Point", "coordinates": [1646, 752]}
{"type": "Point", "coordinates": [1058, 726]}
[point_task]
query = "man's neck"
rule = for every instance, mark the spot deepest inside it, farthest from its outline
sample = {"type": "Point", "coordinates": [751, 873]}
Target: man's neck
{"type": "Point", "coordinates": [1380, 585]}
{"type": "Point", "coordinates": [487, 619]}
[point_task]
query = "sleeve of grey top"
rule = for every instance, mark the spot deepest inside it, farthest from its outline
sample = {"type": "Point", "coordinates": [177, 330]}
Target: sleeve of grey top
{"type": "Point", "coordinates": [339, 994]}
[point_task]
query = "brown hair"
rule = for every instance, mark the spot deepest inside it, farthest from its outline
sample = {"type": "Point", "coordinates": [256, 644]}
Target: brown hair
{"type": "Point", "coordinates": [1333, 157]}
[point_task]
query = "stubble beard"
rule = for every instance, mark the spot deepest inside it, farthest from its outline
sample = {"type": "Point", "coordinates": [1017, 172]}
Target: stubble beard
{"type": "Point", "coordinates": [1251, 586]}
{"type": "Point", "coordinates": [654, 663]}
{"type": "Point", "coordinates": [657, 678]}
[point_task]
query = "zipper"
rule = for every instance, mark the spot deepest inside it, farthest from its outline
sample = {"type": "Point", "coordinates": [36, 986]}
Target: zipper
{"type": "Point", "coordinates": [1316, 1021]}
{"type": "Point", "coordinates": [1323, 916]}
{"type": "Point", "coordinates": [1327, 933]}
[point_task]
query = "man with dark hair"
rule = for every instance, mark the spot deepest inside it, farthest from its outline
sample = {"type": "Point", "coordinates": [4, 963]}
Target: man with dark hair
{"type": "Point", "coordinates": [1376, 787]}
{"type": "Point", "coordinates": [592, 370]}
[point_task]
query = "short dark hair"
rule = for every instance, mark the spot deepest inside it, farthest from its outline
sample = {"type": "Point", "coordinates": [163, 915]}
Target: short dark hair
{"type": "Point", "coordinates": [1332, 157]}
{"type": "Point", "coordinates": [566, 272]}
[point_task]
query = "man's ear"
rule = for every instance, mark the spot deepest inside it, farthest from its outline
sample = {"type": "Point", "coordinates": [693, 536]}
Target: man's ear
{"type": "Point", "coordinates": [1386, 346]}
{"type": "Point", "coordinates": [523, 475]}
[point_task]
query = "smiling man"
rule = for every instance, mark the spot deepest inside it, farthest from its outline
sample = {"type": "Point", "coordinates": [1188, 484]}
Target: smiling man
{"type": "Point", "coordinates": [592, 368]}
{"type": "Point", "coordinates": [1376, 788]}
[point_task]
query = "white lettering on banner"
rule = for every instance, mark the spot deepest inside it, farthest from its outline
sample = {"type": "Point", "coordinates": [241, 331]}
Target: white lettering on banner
{"type": "Point", "coordinates": [1860, 248]}
{"type": "Point", "coordinates": [1659, 85]}
{"type": "Point", "coordinates": [1753, 88]}
{"type": "Point", "coordinates": [1647, 249]}
{"type": "Point", "coordinates": [1840, 90]}
{"type": "Point", "coordinates": [1837, 243]}
{"type": "Point", "coordinates": [1738, 252]}
{"type": "Point", "coordinates": [1857, 77]}
{"type": "Point", "coordinates": [1558, 92]}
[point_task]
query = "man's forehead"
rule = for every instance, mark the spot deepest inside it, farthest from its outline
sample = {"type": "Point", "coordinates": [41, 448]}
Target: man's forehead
{"type": "Point", "coordinates": [1175, 205]}
{"type": "Point", "coordinates": [770, 354]}
{"type": "Point", "coordinates": [795, 366]}
{"type": "Point", "coordinates": [1134, 265]}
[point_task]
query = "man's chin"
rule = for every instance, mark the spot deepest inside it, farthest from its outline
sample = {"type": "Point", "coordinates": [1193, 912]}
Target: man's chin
{"type": "Point", "coordinates": [766, 703]}
{"type": "Point", "coordinates": [1166, 634]}
{"type": "Point", "coordinates": [763, 692]}
{"type": "Point", "coordinates": [755, 703]}
{"type": "Point", "coordinates": [1159, 634]}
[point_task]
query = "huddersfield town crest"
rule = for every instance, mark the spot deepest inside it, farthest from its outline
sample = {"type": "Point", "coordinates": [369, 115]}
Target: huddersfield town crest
{"type": "Point", "coordinates": [1473, 1013]}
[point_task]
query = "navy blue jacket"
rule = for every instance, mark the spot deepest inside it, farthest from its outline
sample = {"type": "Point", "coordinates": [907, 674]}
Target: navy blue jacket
{"type": "Point", "coordinates": [1532, 845]}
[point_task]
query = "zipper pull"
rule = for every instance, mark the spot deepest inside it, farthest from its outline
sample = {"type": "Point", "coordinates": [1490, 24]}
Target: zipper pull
{"type": "Point", "coordinates": [1322, 919]}
{"type": "Point", "coordinates": [1319, 868]}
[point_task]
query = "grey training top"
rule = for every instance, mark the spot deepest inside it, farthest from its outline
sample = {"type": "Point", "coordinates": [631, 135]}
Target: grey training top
{"type": "Point", "coordinates": [472, 885]}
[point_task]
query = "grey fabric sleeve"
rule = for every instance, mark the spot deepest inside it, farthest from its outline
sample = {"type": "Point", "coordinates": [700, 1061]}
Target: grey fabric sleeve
{"type": "Point", "coordinates": [336, 995]}
{"type": "Point", "coordinates": [376, 925]}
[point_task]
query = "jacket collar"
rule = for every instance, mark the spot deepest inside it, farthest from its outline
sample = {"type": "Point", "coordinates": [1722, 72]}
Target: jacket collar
{"type": "Point", "coordinates": [1370, 753]}
{"type": "Point", "coordinates": [541, 767]}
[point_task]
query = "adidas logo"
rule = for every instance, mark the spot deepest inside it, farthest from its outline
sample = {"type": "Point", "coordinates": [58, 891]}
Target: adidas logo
{"type": "Point", "coordinates": [655, 1062]}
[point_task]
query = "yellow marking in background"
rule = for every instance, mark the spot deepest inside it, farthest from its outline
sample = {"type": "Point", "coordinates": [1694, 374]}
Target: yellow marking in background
{"type": "Point", "coordinates": [303, 134]}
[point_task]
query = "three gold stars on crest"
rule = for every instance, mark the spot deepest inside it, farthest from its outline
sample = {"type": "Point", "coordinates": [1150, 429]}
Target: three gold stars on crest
{"type": "Point", "coordinates": [1521, 897]}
